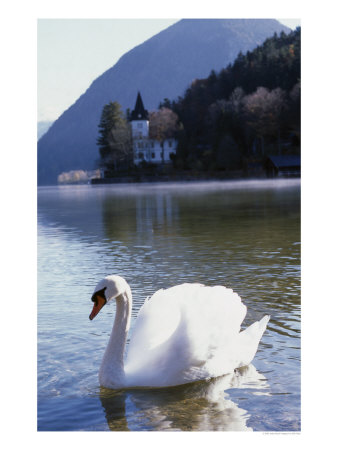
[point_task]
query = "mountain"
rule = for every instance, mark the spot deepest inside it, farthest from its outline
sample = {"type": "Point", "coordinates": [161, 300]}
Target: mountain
{"type": "Point", "coordinates": [43, 127]}
{"type": "Point", "coordinates": [161, 67]}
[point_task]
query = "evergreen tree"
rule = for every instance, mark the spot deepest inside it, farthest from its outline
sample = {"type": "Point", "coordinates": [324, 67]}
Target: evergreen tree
{"type": "Point", "coordinates": [114, 139]}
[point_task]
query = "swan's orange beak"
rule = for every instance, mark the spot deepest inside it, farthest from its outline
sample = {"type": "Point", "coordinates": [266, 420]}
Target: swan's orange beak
{"type": "Point", "coordinates": [99, 302]}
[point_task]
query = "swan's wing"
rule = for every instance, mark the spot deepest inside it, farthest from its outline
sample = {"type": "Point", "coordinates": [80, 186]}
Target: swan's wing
{"type": "Point", "coordinates": [180, 330]}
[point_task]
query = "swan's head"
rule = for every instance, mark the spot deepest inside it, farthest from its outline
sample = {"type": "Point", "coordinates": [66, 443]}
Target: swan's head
{"type": "Point", "coordinates": [106, 290]}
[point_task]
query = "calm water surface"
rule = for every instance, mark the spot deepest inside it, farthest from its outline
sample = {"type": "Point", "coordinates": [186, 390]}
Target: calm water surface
{"type": "Point", "coordinates": [245, 235]}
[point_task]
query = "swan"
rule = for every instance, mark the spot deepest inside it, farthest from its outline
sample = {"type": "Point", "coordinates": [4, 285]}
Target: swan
{"type": "Point", "coordinates": [182, 334]}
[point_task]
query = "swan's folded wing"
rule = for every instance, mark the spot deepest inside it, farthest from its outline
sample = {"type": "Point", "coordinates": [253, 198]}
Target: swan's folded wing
{"type": "Point", "coordinates": [213, 328]}
{"type": "Point", "coordinates": [180, 330]}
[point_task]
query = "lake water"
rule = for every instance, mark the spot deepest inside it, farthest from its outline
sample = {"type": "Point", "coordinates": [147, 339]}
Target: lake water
{"type": "Point", "coordinates": [245, 235]}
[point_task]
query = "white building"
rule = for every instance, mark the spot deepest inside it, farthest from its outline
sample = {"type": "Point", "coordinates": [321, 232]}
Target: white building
{"type": "Point", "coordinates": [144, 148]}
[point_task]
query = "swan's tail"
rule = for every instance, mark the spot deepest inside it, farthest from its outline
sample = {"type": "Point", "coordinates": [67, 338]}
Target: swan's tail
{"type": "Point", "coordinates": [249, 340]}
{"type": "Point", "coordinates": [263, 323]}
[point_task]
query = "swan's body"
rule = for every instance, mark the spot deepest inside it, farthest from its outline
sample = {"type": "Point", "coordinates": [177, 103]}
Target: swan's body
{"type": "Point", "coordinates": [183, 334]}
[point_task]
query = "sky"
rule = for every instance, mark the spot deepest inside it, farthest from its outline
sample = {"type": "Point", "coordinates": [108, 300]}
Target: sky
{"type": "Point", "coordinates": [71, 53]}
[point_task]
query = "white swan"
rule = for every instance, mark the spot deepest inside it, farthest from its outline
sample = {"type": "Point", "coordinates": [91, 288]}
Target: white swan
{"type": "Point", "coordinates": [182, 334]}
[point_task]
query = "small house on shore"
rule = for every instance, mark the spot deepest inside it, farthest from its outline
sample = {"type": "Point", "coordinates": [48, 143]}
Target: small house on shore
{"type": "Point", "coordinates": [146, 149]}
{"type": "Point", "coordinates": [283, 166]}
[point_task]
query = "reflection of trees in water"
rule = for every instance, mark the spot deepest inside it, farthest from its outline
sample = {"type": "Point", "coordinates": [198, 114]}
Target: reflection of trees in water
{"type": "Point", "coordinates": [198, 211]}
{"type": "Point", "coordinates": [230, 215]}
{"type": "Point", "coordinates": [202, 405]}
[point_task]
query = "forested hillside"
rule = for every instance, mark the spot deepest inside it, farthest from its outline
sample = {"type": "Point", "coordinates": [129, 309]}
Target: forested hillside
{"type": "Point", "coordinates": [247, 110]}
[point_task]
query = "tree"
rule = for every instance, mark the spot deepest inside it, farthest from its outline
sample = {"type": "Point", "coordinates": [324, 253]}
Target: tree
{"type": "Point", "coordinates": [263, 111]}
{"type": "Point", "coordinates": [163, 124]}
{"type": "Point", "coordinates": [293, 112]}
{"type": "Point", "coordinates": [114, 140]}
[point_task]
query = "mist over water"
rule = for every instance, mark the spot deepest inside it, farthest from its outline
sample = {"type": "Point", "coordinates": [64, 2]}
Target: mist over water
{"type": "Point", "coordinates": [245, 235]}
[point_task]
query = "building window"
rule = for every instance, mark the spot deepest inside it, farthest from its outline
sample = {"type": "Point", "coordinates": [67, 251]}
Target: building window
{"type": "Point", "coordinates": [170, 144]}
{"type": "Point", "coordinates": [140, 155]}
{"type": "Point", "coordinates": [140, 125]}
{"type": "Point", "coordinates": [153, 155]}
{"type": "Point", "coordinates": [152, 144]}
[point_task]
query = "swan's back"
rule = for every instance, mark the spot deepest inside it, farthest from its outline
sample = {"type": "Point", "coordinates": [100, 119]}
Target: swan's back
{"type": "Point", "coordinates": [186, 333]}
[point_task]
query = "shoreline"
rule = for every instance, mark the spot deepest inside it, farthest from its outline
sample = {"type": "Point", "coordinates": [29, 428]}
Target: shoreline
{"type": "Point", "coordinates": [186, 182]}
{"type": "Point", "coordinates": [177, 177]}
{"type": "Point", "coordinates": [184, 179]}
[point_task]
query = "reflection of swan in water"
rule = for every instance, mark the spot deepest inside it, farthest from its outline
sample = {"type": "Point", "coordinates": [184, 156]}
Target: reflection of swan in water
{"type": "Point", "coordinates": [187, 333]}
{"type": "Point", "coordinates": [199, 406]}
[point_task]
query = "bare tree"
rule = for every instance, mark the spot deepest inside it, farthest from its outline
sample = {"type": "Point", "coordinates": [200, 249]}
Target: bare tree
{"type": "Point", "coordinates": [162, 125]}
{"type": "Point", "coordinates": [263, 111]}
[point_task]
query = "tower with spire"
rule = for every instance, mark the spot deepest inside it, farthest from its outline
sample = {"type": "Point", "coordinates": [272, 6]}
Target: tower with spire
{"type": "Point", "coordinates": [139, 120]}
{"type": "Point", "coordinates": [146, 149]}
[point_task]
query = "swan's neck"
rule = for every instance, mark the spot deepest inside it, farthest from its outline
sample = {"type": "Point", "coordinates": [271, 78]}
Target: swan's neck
{"type": "Point", "coordinates": [112, 368]}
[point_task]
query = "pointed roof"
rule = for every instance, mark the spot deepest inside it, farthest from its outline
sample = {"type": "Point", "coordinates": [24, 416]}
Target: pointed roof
{"type": "Point", "coordinates": [139, 113]}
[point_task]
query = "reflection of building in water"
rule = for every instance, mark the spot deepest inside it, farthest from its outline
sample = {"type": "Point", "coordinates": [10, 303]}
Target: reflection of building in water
{"type": "Point", "coordinates": [155, 211]}
{"type": "Point", "coordinates": [145, 148]}
{"type": "Point", "coordinates": [200, 406]}
{"type": "Point", "coordinates": [135, 216]}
